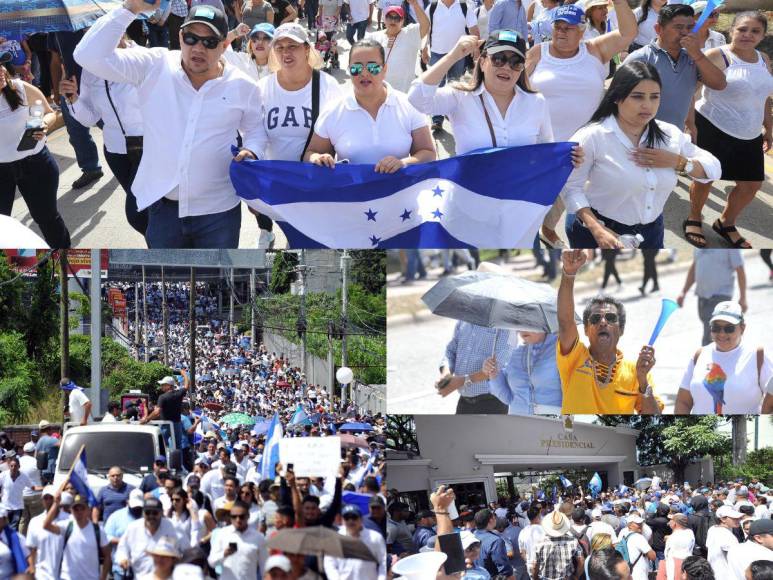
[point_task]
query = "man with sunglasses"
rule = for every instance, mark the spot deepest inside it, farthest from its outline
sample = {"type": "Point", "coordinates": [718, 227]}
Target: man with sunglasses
{"type": "Point", "coordinates": [596, 378]}
{"type": "Point", "coordinates": [193, 104]}
{"type": "Point", "coordinates": [238, 550]}
{"type": "Point", "coordinates": [355, 569]}
{"type": "Point", "coordinates": [142, 534]}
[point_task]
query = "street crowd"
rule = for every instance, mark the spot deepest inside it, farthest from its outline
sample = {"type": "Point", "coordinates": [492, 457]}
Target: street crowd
{"type": "Point", "coordinates": [172, 88]}
{"type": "Point", "coordinates": [660, 530]}
{"type": "Point", "coordinates": [232, 511]}
{"type": "Point", "coordinates": [502, 371]}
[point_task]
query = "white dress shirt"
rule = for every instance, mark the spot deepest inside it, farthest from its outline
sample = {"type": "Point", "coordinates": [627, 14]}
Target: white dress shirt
{"type": "Point", "coordinates": [137, 539]}
{"type": "Point", "coordinates": [251, 553]}
{"type": "Point", "coordinates": [353, 569]}
{"type": "Point", "coordinates": [93, 105]}
{"type": "Point", "coordinates": [11, 490]}
{"type": "Point", "coordinates": [526, 122]}
{"type": "Point", "coordinates": [611, 183]}
{"type": "Point", "coordinates": [188, 132]}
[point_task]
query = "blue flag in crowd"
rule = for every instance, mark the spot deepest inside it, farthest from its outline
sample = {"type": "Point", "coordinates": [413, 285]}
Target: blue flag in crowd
{"type": "Point", "coordinates": [300, 417]}
{"type": "Point", "coordinates": [565, 482]}
{"type": "Point", "coordinates": [623, 488]}
{"type": "Point", "coordinates": [79, 477]}
{"type": "Point", "coordinates": [491, 198]}
{"type": "Point", "coordinates": [555, 494]}
{"type": "Point", "coordinates": [368, 469]}
{"type": "Point", "coordinates": [24, 17]}
{"type": "Point", "coordinates": [13, 542]}
{"type": "Point", "coordinates": [271, 450]}
{"type": "Point", "coordinates": [361, 500]}
{"type": "Point", "coordinates": [595, 484]}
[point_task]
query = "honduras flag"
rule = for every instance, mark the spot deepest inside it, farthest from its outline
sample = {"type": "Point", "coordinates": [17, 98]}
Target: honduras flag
{"type": "Point", "coordinates": [367, 470]}
{"type": "Point", "coordinates": [300, 417]}
{"type": "Point", "coordinates": [490, 198]}
{"type": "Point", "coordinates": [271, 450]}
{"type": "Point", "coordinates": [595, 484]}
{"type": "Point", "coordinates": [565, 482]}
{"type": "Point", "coordinates": [79, 477]}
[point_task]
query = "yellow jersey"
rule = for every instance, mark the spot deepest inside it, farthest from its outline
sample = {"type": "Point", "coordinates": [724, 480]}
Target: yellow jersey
{"type": "Point", "coordinates": [584, 394]}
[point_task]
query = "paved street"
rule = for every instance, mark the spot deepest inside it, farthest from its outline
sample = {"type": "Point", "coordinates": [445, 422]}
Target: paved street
{"type": "Point", "coordinates": [414, 349]}
{"type": "Point", "coordinates": [95, 216]}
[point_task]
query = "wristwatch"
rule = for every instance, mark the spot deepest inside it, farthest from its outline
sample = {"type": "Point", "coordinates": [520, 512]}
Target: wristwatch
{"type": "Point", "coordinates": [647, 391]}
{"type": "Point", "coordinates": [467, 380]}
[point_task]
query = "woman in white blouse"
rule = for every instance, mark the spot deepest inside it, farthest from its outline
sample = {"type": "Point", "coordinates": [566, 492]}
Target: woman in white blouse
{"type": "Point", "coordinates": [631, 165]}
{"type": "Point", "coordinates": [496, 109]}
{"type": "Point", "coordinates": [255, 62]}
{"type": "Point", "coordinates": [375, 124]}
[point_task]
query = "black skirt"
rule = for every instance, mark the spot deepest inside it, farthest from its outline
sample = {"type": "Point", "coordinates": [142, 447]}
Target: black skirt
{"type": "Point", "coordinates": [741, 159]}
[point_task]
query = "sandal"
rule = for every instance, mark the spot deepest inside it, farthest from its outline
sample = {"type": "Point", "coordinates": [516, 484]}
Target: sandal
{"type": "Point", "coordinates": [723, 231]}
{"type": "Point", "coordinates": [558, 244]}
{"type": "Point", "coordinates": [697, 239]}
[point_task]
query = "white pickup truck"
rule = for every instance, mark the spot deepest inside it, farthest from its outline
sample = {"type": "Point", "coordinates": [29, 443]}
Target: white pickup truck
{"type": "Point", "coordinates": [131, 446]}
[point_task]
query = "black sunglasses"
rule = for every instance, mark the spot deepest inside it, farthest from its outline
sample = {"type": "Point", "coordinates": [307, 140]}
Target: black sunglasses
{"type": "Point", "coordinates": [727, 328]}
{"type": "Point", "coordinates": [610, 317]}
{"type": "Point", "coordinates": [501, 59]}
{"type": "Point", "coordinates": [240, 516]}
{"type": "Point", "coordinates": [152, 512]}
{"type": "Point", "coordinates": [210, 42]}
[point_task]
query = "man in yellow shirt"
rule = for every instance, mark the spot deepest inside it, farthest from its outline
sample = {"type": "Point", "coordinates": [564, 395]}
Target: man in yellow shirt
{"type": "Point", "coordinates": [596, 379]}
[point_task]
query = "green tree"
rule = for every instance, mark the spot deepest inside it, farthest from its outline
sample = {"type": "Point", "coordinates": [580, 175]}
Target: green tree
{"type": "Point", "coordinates": [283, 272]}
{"type": "Point", "coordinates": [369, 269]}
{"type": "Point", "coordinates": [758, 464]}
{"type": "Point", "coordinates": [20, 383]}
{"type": "Point", "coordinates": [42, 327]}
{"type": "Point", "coordinates": [12, 313]}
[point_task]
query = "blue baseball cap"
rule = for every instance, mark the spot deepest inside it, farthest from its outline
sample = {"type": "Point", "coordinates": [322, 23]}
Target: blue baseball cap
{"type": "Point", "coordinates": [569, 13]}
{"type": "Point", "coordinates": [265, 28]}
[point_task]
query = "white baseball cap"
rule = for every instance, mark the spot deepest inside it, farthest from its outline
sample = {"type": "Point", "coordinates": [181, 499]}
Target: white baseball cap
{"type": "Point", "coordinates": [728, 311]}
{"type": "Point", "coordinates": [29, 447]}
{"type": "Point", "coordinates": [278, 561]}
{"type": "Point", "coordinates": [136, 498]}
{"type": "Point", "coordinates": [167, 380]}
{"type": "Point", "coordinates": [634, 519]}
{"type": "Point", "coordinates": [67, 498]}
{"type": "Point", "coordinates": [727, 511]}
{"type": "Point", "coordinates": [468, 539]}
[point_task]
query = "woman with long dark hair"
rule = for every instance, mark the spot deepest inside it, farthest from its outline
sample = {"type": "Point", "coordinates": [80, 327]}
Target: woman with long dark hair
{"type": "Point", "coordinates": [28, 165]}
{"type": "Point", "coordinates": [497, 108]}
{"type": "Point", "coordinates": [631, 164]}
{"type": "Point", "coordinates": [184, 515]}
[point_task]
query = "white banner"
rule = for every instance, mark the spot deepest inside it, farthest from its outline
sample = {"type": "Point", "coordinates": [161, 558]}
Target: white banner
{"type": "Point", "coordinates": [311, 456]}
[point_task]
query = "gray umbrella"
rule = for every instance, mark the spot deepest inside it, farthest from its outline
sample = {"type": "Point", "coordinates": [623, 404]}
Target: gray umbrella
{"type": "Point", "coordinates": [318, 540]}
{"type": "Point", "coordinates": [495, 300]}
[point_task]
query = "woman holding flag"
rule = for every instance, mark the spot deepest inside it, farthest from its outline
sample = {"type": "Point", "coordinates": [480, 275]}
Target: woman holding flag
{"type": "Point", "coordinates": [729, 376]}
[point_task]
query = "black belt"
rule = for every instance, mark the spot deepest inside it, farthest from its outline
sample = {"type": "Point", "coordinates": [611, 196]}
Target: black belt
{"type": "Point", "coordinates": [477, 397]}
{"type": "Point", "coordinates": [613, 225]}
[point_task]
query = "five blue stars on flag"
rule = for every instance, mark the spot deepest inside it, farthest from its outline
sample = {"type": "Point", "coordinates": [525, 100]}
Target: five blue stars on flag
{"type": "Point", "coordinates": [405, 216]}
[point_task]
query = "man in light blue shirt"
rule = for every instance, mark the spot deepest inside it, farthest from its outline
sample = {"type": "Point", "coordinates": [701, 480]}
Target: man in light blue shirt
{"type": "Point", "coordinates": [118, 522]}
{"type": "Point", "coordinates": [510, 15]}
{"type": "Point", "coordinates": [462, 367]}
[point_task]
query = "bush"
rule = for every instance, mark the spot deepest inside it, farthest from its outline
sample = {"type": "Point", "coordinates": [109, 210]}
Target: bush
{"type": "Point", "coordinates": [758, 464]}
{"type": "Point", "coordinates": [21, 385]}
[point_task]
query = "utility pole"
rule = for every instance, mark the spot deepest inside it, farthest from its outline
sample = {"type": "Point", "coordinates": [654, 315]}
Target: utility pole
{"type": "Point", "coordinates": [145, 314]}
{"type": "Point", "coordinates": [231, 305]}
{"type": "Point", "coordinates": [345, 259]}
{"type": "Point", "coordinates": [96, 334]}
{"type": "Point", "coordinates": [253, 326]}
{"type": "Point", "coordinates": [137, 315]}
{"type": "Point", "coordinates": [64, 315]}
{"type": "Point", "coordinates": [192, 329]}
{"type": "Point", "coordinates": [331, 367]}
{"type": "Point", "coordinates": [164, 317]}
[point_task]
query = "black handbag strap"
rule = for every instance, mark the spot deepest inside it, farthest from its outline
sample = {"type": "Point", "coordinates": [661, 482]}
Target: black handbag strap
{"type": "Point", "coordinates": [315, 74]}
{"type": "Point", "coordinates": [109, 98]}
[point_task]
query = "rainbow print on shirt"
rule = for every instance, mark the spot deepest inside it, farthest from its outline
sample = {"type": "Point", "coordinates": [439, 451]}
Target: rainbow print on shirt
{"type": "Point", "coordinates": [715, 384]}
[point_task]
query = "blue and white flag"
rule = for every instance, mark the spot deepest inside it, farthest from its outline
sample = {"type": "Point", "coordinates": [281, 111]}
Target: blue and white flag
{"type": "Point", "coordinates": [367, 471]}
{"type": "Point", "coordinates": [623, 488]}
{"type": "Point", "coordinates": [490, 198]}
{"type": "Point", "coordinates": [300, 417]}
{"type": "Point", "coordinates": [565, 482]}
{"type": "Point", "coordinates": [711, 5]}
{"type": "Point", "coordinates": [271, 450]}
{"type": "Point", "coordinates": [79, 478]}
{"type": "Point", "coordinates": [595, 484]}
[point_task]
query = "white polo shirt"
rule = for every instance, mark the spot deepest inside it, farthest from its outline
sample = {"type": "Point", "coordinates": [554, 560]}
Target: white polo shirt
{"type": "Point", "coordinates": [448, 25]}
{"type": "Point", "coordinates": [360, 138]}
{"type": "Point", "coordinates": [526, 122]}
{"type": "Point", "coordinates": [359, 10]}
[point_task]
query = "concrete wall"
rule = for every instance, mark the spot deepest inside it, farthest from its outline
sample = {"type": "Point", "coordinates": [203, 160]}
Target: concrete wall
{"type": "Point", "coordinates": [702, 470]}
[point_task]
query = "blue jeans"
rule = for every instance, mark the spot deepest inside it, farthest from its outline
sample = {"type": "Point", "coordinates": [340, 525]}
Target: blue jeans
{"type": "Point", "coordinates": [125, 171]}
{"type": "Point", "coordinates": [414, 265]}
{"type": "Point", "coordinates": [37, 177]}
{"type": "Point", "coordinates": [455, 72]}
{"type": "Point", "coordinates": [158, 35]}
{"type": "Point", "coordinates": [167, 230]}
{"type": "Point", "coordinates": [86, 153]}
{"type": "Point", "coordinates": [653, 233]}
{"type": "Point", "coordinates": [359, 28]}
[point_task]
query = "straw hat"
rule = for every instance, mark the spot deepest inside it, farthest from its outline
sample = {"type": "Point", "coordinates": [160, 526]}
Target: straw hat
{"type": "Point", "coordinates": [556, 524]}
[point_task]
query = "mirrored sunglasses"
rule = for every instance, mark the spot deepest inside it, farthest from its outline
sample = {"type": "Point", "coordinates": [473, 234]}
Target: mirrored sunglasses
{"type": "Point", "coordinates": [372, 67]}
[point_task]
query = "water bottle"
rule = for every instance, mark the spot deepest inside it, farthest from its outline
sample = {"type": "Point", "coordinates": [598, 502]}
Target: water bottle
{"type": "Point", "coordinates": [631, 241]}
{"type": "Point", "coordinates": [36, 115]}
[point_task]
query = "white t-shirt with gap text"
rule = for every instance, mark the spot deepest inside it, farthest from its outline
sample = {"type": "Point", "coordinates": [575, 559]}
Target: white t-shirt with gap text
{"type": "Point", "coordinates": [360, 138]}
{"type": "Point", "coordinates": [287, 114]}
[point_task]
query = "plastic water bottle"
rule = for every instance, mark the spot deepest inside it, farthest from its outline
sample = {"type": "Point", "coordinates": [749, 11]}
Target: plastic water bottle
{"type": "Point", "coordinates": [631, 241]}
{"type": "Point", "coordinates": [36, 115]}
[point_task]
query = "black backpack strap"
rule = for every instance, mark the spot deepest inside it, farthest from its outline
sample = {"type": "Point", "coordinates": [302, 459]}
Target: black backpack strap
{"type": "Point", "coordinates": [315, 76]}
{"type": "Point", "coordinates": [433, 7]}
{"type": "Point", "coordinates": [633, 564]}
{"type": "Point", "coordinates": [67, 534]}
{"type": "Point", "coordinates": [109, 98]}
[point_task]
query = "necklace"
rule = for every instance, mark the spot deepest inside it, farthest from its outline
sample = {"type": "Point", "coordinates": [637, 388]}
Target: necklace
{"type": "Point", "coordinates": [598, 368]}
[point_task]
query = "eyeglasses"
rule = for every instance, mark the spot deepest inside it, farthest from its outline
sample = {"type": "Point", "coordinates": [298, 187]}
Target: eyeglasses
{"type": "Point", "coordinates": [152, 513]}
{"type": "Point", "coordinates": [610, 317]}
{"type": "Point", "coordinates": [501, 59]}
{"type": "Point", "coordinates": [393, 16]}
{"type": "Point", "coordinates": [372, 67]}
{"type": "Point", "coordinates": [719, 328]}
{"type": "Point", "coordinates": [210, 42]}
{"type": "Point", "coordinates": [239, 516]}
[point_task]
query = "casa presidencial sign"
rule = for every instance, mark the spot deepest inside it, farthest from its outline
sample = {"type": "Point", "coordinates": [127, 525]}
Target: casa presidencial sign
{"type": "Point", "coordinates": [567, 441]}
